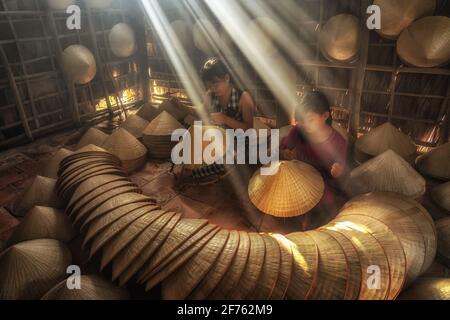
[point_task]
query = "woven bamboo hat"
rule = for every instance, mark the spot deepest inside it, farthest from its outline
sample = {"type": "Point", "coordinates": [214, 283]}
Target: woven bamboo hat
{"type": "Point", "coordinates": [29, 269]}
{"type": "Point", "coordinates": [331, 282]}
{"type": "Point", "coordinates": [441, 196]}
{"type": "Point", "coordinates": [383, 138]}
{"type": "Point", "coordinates": [443, 231]}
{"type": "Point", "coordinates": [218, 270]}
{"type": "Point", "coordinates": [93, 287]}
{"type": "Point", "coordinates": [339, 38]}
{"type": "Point", "coordinates": [183, 281]}
{"type": "Point", "coordinates": [60, 4]}
{"type": "Point", "coordinates": [388, 172]}
{"type": "Point", "coordinates": [51, 170]}
{"type": "Point", "coordinates": [425, 43]}
{"type": "Point", "coordinates": [42, 192]}
{"type": "Point", "coordinates": [130, 261]}
{"type": "Point", "coordinates": [286, 267]}
{"type": "Point", "coordinates": [43, 223]}
{"type": "Point", "coordinates": [122, 40]}
{"type": "Point", "coordinates": [127, 148]}
{"type": "Point", "coordinates": [435, 163]}
{"type": "Point", "coordinates": [193, 132]}
{"type": "Point", "coordinates": [174, 109]}
{"type": "Point", "coordinates": [235, 271]}
{"type": "Point", "coordinates": [293, 191]}
{"type": "Point", "coordinates": [135, 125]}
{"type": "Point", "coordinates": [428, 289]}
{"type": "Point", "coordinates": [398, 15]}
{"type": "Point", "coordinates": [79, 64]}
{"type": "Point", "coordinates": [99, 4]}
{"type": "Point", "coordinates": [148, 112]}
{"type": "Point", "coordinates": [92, 136]}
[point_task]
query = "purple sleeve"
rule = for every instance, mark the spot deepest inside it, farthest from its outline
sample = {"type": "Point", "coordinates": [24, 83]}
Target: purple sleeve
{"type": "Point", "coordinates": [290, 141]}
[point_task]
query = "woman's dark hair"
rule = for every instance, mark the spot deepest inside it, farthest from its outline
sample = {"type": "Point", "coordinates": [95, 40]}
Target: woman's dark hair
{"type": "Point", "coordinates": [315, 102]}
{"type": "Point", "coordinates": [213, 69]}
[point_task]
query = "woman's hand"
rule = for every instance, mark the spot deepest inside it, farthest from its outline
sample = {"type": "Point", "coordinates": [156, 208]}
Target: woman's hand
{"type": "Point", "coordinates": [337, 170]}
{"type": "Point", "coordinates": [287, 154]}
{"type": "Point", "coordinates": [219, 119]}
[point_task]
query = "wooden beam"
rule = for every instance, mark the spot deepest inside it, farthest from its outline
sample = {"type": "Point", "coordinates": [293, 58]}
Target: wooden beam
{"type": "Point", "coordinates": [358, 76]}
{"type": "Point", "coordinates": [18, 98]}
{"type": "Point", "coordinates": [73, 101]}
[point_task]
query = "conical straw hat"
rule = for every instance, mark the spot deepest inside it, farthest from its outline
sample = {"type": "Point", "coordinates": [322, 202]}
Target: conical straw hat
{"type": "Point", "coordinates": [435, 163]}
{"type": "Point", "coordinates": [181, 283]}
{"type": "Point", "coordinates": [43, 223]}
{"type": "Point", "coordinates": [122, 40]}
{"type": "Point", "coordinates": [388, 172]}
{"type": "Point", "coordinates": [92, 136]}
{"type": "Point", "coordinates": [218, 270]}
{"type": "Point", "coordinates": [79, 64]}
{"type": "Point", "coordinates": [428, 289]}
{"type": "Point", "coordinates": [29, 269]}
{"type": "Point", "coordinates": [270, 271]}
{"type": "Point", "coordinates": [443, 230]}
{"type": "Point", "coordinates": [135, 125]}
{"type": "Point", "coordinates": [425, 42]}
{"type": "Point", "coordinates": [42, 192]}
{"type": "Point", "coordinates": [339, 38]}
{"type": "Point", "coordinates": [383, 138]}
{"type": "Point", "coordinates": [130, 261]}
{"type": "Point", "coordinates": [441, 196]}
{"type": "Point", "coordinates": [332, 271]}
{"type": "Point", "coordinates": [173, 109]}
{"type": "Point", "coordinates": [51, 170]}
{"type": "Point", "coordinates": [293, 191]}
{"type": "Point", "coordinates": [93, 287]}
{"type": "Point", "coordinates": [148, 112]}
{"type": "Point", "coordinates": [235, 271]}
{"type": "Point", "coordinates": [163, 125]}
{"type": "Point", "coordinates": [127, 148]}
{"type": "Point", "coordinates": [392, 248]}
{"type": "Point", "coordinates": [181, 256]}
{"type": "Point", "coordinates": [398, 15]}
{"type": "Point", "coordinates": [286, 268]}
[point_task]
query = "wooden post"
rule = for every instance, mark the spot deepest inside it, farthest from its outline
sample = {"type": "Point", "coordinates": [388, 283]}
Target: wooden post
{"type": "Point", "coordinates": [444, 115]}
{"type": "Point", "coordinates": [100, 66]}
{"type": "Point", "coordinates": [392, 87]}
{"type": "Point", "coordinates": [359, 73]}
{"type": "Point", "coordinates": [18, 98]}
{"type": "Point", "coordinates": [141, 38]}
{"type": "Point", "coordinates": [73, 101]}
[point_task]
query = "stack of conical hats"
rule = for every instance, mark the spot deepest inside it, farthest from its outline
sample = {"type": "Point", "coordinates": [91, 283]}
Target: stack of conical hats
{"type": "Point", "coordinates": [42, 192]}
{"type": "Point", "coordinates": [388, 172]}
{"type": "Point", "coordinates": [197, 149]}
{"type": "Point", "coordinates": [174, 109]}
{"type": "Point", "coordinates": [157, 135]}
{"type": "Point", "coordinates": [135, 125]}
{"type": "Point", "coordinates": [51, 170]}
{"type": "Point", "coordinates": [29, 269]}
{"type": "Point", "coordinates": [441, 196]}
{"type": "Point", "coordinates": [148, 112]}
{"type": "Point", "coordinates": [43, 223]}
{"type": "Point", "coordinates": [399, 14]}
{"type": "Point", "coordinates": [435, 163]}
{"type": "Point", "coordinates": [443, 232]}
{"type": "Point", "coordinates": [92, 136]}
{"type": "Point", "coordinates": [383, 138]}
{"type": "Point", "coordinates": [93, 287]}
{"type": "Point", "coordinates": [339, 38]}
{"type": "Point", "coordinates": [295, 189]}
{"type": "Point", "coordinates": [127, 148]}
{"type": "Point", "coordinates": [428, 289]}
{"type": "Point", "coordinates": [425, 42]}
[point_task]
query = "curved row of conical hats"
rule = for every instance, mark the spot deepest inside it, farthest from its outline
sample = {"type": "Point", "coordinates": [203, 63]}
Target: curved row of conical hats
{"type": "Point", "coordinates": [197, 260]}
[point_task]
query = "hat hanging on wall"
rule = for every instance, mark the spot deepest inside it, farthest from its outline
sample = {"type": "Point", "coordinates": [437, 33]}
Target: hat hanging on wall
{"type": "Point", "coordinates": [99, 4]}
{"type": "Point", "coordinates": [399, 14]}
{"type": "Point", "coordinates": [203, 31]}
{"type": "Point", "coordinates": [339, 38]}
{"type": "Point", "coordinates": [294, 190]}
{"type": "Point", "coordinates": [264, 31]}
{"type": "Point", "coordinates": [60, 4]}
{"type": "Point", "coordinates": [122, 40]}
{"type": "Point", "coordinates": [425, 43]}
{"type": "Point", "coordinates": [79, 64]}
{"type": "Point", "coordinates": [435, 163]}
{"type": "Point", "coordinates": [183, 32]}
